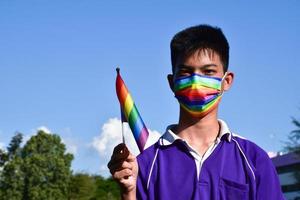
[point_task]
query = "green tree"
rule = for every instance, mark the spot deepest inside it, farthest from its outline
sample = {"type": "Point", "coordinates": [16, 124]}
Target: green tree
{"type": "Point", "coordinates": [82, 187]}
{"type": "Point", "coordinates": [11, 179]}
{"type": "Point", "coordinates": [3, 158]}
{"type": "Point", "coordinates": [106, 189]}
{"type": "Point", "coordinates": [46, 168]}
{"type": "Point", "coordinates": [40, 170]}
{"type": "Point", "coordinates": [293, 144]}
{"type": "Point", "coordinates": [14, 147]}
{"type": "Point", "coordinates": [93, 187]}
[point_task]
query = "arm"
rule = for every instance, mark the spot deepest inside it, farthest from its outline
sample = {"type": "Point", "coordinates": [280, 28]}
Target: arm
{"type": "Point", "coordinates": [131, 195]}
{"type": "Point", "coordinates": [124, 169]}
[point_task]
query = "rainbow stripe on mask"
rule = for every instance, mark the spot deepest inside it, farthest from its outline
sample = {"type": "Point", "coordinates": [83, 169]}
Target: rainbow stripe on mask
{"type": "Point", "coordinates": [198, 94]}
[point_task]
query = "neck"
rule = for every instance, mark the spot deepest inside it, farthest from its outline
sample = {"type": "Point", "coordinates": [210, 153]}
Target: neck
{"type": "Point", "coordinates": [198, 131]}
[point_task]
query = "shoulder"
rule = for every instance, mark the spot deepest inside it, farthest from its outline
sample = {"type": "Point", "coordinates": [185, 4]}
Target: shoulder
{"type": "Point", "coordinates": [256, 155]}
{"type": "Point", "coordinates": [264, 171]}
{"type": "Point", "coordinates": [146, 160]}
{"type": "Point", "coordinates": [146, 157]}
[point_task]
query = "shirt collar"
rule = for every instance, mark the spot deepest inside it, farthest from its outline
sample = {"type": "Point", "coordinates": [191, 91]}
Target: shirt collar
{"type": "Point", "coordinates": [169, 136]}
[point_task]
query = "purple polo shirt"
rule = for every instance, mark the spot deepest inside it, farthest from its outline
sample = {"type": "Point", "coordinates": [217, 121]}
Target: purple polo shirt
{"type": "Point", "coordinates": [235, 169]}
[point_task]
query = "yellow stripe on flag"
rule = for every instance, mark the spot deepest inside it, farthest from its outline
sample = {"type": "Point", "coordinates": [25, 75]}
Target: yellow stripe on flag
{"type": "Point", "coordinates": [128, 105]}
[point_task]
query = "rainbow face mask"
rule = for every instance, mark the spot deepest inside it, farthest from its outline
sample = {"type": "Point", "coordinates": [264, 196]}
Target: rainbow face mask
{"type": "Point", "coordinates": [198, 94]}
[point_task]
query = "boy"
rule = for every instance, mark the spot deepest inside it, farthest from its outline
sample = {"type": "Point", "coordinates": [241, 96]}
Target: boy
{"type": "Point", "coordinates": [198, 158]}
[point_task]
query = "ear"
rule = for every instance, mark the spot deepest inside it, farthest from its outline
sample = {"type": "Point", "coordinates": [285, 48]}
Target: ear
{"type": "Point", "coordinates": [228, 80]}
{"type": "Point", "coordinates": [171, 81]}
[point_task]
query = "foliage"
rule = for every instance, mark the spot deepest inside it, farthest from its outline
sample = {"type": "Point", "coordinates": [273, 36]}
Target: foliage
{"type": "Point", "coordinates": [106, 189]}
{"type": "Point", "coordinates": [46, 168]}
{"type": "Point", "coordinates": [14, 147]}
{"type": "Point", "coordinates": [93, 187]}
{"type": "Point", "coordinates": [293, 144]}
{"type": "Point", "coordinates": [82, 187]}
{"type": "Point", "coordinates": [11, 179]}
{"type": "Point", "coordinates": [39, 170]}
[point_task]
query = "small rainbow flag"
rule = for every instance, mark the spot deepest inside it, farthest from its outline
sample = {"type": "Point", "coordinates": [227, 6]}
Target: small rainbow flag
{"type": "Point", "coordinates": [130, 113]}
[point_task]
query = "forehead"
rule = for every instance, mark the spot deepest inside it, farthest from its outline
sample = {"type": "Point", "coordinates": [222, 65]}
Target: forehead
{"type": "Point", "coordinates": [200, 57]}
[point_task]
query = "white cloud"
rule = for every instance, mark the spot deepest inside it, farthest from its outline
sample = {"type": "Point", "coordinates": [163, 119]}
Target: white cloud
{"type": "Point", "coordinates": [153, 137]}
{"type": "Point", "coordinates": [44, 129]}
{"type": "Point", "coordinates": [34, 131]}
{"type": "Point", "coordinates": [111, 135]}
{"type": "Point", "coordinates": [2, 145]}
{"type": "Point", "coordinates": [272, 154]}
{"type": "Point", "coordinates": [69, 140]}
{"type": "Point", "coordinates": [71, 146]}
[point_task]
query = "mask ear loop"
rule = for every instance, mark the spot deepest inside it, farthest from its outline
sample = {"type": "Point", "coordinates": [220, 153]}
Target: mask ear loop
{"type": "Point", "coordinates": [222, 92]}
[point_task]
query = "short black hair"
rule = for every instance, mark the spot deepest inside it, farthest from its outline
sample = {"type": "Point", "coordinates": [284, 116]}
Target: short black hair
{"type": "Point", "coordinates": [200, 37]}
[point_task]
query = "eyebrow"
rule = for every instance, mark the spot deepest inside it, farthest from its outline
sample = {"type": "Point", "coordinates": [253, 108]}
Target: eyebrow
{"type": "Point", "coordinates": [183, 66]}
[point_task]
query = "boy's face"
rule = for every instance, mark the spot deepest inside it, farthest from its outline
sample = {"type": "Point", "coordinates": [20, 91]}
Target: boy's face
{"type": "Point", "coordinates": [202, 62]}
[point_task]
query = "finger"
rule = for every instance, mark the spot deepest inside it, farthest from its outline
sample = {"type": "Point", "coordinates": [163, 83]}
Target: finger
{"type": "Point", "coordinates": [113, 163]}
{"type": "Point", "coordinates": [126, 181]}
{"type": "Point", "coordinates": [131, 158]}
{"type": "Point", "coordinates": [120, 152]}
{"type": "Point", "coordinates": [121, 148]}
{"type": "Point", "coordinates": [118, 147]}
{"type": "Point", "coordinates": [122, 174]}
{"type": "Point", "coordinates": [120, 166]}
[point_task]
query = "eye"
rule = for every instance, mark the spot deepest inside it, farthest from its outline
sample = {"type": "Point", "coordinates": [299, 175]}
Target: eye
{"type": "Point", "coordinates": [184, 72]}
{"type": "Point", "coordinates": [209, 72]}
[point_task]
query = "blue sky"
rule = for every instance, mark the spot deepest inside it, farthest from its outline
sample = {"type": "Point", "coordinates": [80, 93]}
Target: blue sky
{"type": "Point", "coordinates": [58, 59]}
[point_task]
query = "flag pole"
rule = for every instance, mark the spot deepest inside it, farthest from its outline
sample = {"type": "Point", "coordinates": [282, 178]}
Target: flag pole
{"type": "Point", "coordinates": [122, 124]}
{"type": "Point", "coordinates": [123, 137]}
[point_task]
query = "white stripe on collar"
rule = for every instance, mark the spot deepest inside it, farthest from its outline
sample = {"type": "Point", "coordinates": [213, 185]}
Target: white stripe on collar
{"type": "Point", "coordinates": [169, 136]}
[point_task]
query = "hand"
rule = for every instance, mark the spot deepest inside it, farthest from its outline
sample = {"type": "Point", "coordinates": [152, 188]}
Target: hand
{"type": "Point", "coordinates": [124, 169]}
